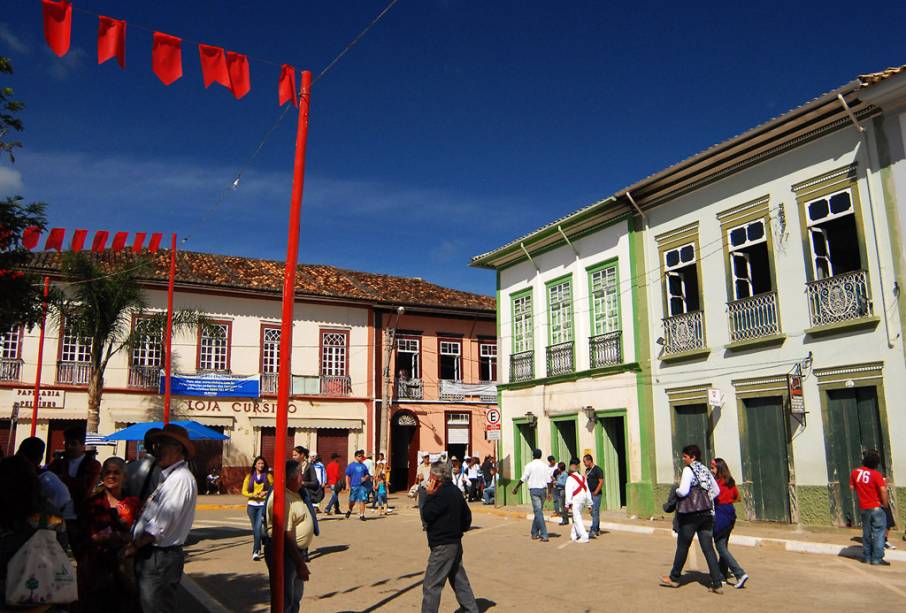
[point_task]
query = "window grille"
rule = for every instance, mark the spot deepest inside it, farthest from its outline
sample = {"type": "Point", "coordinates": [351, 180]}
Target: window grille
{"type": "Point", "coordinates": [9, 343]}
{"type": "Point", "coordinates": [605, 301]}
{"type": "Point", "coordinates": [148, 348]}
{"type": "Point", "coordinates": [213, 352]}
{"type": "Point", "coordinates": [523, 330]}
{"type": "Point", "coordinates": [333, 353]}
{"type": "Point", "coordinates": [270, 350]}
{"type": "Point", "coordinates": [75, 348]}
{"type": "Point", "coordinates": [560, 303]}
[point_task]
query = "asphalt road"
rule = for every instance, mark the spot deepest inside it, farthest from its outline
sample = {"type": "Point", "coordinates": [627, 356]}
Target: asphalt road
{"type": "Point", "coordinates": [377, 565]}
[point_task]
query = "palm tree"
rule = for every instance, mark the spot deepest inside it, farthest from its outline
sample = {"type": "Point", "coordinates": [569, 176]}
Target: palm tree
{"type": "Point", "coordinates": [100, 305]}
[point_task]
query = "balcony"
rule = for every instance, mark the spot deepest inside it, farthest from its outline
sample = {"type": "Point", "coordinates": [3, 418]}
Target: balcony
{"type": "Point", "coordinates": [754, 317]}
{"type": "Point", "coordinates": [840, 298]}
{"type": "Point", "coordinates": [268, 383]}
{"type": "Point", "coordinates": [457, 391]}
{"type": "Point", "coordinates": [10, 369]}
{"type": "Point", "coordinates": [145, 377]}
{"type": "Point", "coordinates": [560, 359]}
{"type": "Point", "coordinates": [310, 385]}
{"type": "Point", "coordinates": [606, 349]}
{"type": "Point", "coordinates": [73, 373]}
{"type": "Point", "coordinates": [522, 366]}
{"type": "Point", "coordinates": [684, 333]}
{"type": "Point", "coordinates": [409, 389]}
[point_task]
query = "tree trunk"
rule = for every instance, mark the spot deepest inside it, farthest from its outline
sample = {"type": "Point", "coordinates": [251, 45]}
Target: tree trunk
{"type": "Point", "coordinates": [95, 391]}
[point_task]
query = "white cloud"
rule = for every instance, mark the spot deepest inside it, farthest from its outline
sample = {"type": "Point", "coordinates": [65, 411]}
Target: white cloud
{"type": "Point", "coordinates": [10, 181]}
{"type": "Point", "coordinates": [62, 68]}
{"type": "Point", "coordinates": [10, 41]}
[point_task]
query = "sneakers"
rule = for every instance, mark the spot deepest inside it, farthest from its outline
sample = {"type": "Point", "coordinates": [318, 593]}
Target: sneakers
{"type": "Point", "coordinates": [256, 556]}
{"type": "Point", "coordinates": [666, 581]}
{"type": "Point", "coordinates": [362, 517]}
{"type": "Point", "coordinates": [348, 513]}
{"type": "Point", "coordinates": [889, 545]}
{"type": "Point", "coordinates": [543, 539]}
{"type": "Point", "coordinates": [741, 582]}
{"type": "Point", "coordinates": [880, 563]}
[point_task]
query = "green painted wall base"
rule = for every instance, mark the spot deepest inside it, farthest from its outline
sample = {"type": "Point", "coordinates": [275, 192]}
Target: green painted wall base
{"type": "Point", "coordinates": [641, 499]}
{"type": "Point", "coordinates": [814, 505]}
{"type": "Point", "coordinates": [900, 507]}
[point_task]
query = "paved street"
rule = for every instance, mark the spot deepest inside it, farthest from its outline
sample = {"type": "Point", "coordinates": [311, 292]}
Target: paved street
{"type": "Point", "coordinates": [377, 566]}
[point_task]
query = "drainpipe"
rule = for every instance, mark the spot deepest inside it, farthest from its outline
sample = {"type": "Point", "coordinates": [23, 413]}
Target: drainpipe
{"type": "Point", "coordinates": [863, 135]}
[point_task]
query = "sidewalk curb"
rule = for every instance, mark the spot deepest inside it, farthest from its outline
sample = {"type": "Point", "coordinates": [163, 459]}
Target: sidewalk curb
{"type": "Point", "coordinates": [208, 602]}
{"type": "Point", "coordinates": [736, 539]}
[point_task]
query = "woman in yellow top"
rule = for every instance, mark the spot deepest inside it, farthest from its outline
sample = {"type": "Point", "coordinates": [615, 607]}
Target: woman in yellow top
{"type": "Point", "coordinates": [255, 487]}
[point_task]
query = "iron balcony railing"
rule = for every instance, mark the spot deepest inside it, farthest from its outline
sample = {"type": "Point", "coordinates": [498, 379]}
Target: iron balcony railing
{"type": "Point", "coordinates": [522, 366]}
{"type": "Point", "coordinates": [73, 373]}
{"type": "Point", "coordinates": [144, 377]}
{"type": "Point", "coordinates": [684, 332]}
{"type": "Point", "coordinates": [336, 385]}
{"type": "Point", "coordinates": [753, 317]}
{"type": "Point", "coordinates": [560, 359]}
{"type": "Point", "coordinates": [268, 383]}
{"type": "Point", "coordinates": [450, 396]}
{"type": "Point", "coordinates": [309, 385]}
{"type": "Point", "coordinates": [10, 369]}
{"type": "Point", "coordinates": [606, 349]}
{"type": "Point", "coordinates": [409, 389]}
{"type": "Point", "coordinates": [839, 298]}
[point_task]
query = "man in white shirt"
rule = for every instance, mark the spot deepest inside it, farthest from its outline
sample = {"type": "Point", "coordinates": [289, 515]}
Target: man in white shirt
{"type": "Point", "coordinates": [165, 522]}
{"type": "Point", "coordinates": [537, 475]}
{"type": "Point", "coordinates": [577, 497]}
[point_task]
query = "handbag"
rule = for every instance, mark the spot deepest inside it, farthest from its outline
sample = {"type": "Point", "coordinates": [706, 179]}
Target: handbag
{"type": "Point", "coordinates": [40, 572]}
{"type": "Point", "coordinates": [696, 500]}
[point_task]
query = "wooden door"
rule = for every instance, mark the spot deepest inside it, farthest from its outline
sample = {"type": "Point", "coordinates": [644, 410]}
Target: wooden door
{"type": "Point", "coordinates": [526, 435]}
{"type": "Point", "coordinates": [208, 457]}
{"type": "Point", "coordinates": [691, 427]}
{"type": "Point", "coordinates": [332, 441]}
{"type": "Point", "coordinates": [4, 438]}
{"type": "Point", "coordinates": [765, 461]}
{"type": "Point", "coordinates": [565, 440]}
{"type": "Point", "coordinates": [853, 426]}
{"type": "Point", "coordinates": [269, 444]}
{"type": "Point", "coordinates": [613, 462]}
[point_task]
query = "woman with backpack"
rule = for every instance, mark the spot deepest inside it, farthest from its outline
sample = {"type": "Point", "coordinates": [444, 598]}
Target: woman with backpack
{"type": "Point", "coordinates": [724, 520]}
{"type": "Point", "coordinates": [695, 514]}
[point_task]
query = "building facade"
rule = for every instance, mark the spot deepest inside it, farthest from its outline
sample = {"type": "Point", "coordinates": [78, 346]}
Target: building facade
{"type": "Point", "coordinates": [765, 298]}
{"type": "Point", "coordinates": [335, 360]}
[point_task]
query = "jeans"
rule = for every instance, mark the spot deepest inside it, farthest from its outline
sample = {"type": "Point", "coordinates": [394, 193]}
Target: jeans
{"type": "Point", "coordinates": [538, 495]}
{"type": "Point", "coordinates": [422, 498]}
{"type": "Point", "coordinates": [488, 495]}
{"type": "Point", "coordinates": [558, 508]}
{"type": "Point", "coordinates": [874, 523]}
{"type": "Point", "coordinates": [691, 524]}
{"type": "Point", "coordinates": [256, 516]}
{"type": "Point", "coordinates": [293, 586]}
{"type": "Point", "coordinates": [158, 577]}
{"type": "Point", "coordinates": [560, 500]}
{"type": "Point", "coordinates": [726, 561]}
{"type": "Point", "coordinates": [474, 489]}
{"type": "Point", "coordinates": [334, 502]}
{"type": "Point", "coordinates": [596, 514]}
{"type": "Point", "coordinates": [445, 564]}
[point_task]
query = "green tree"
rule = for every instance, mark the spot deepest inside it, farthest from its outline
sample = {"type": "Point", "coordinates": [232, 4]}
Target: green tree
{"type": "Point", "coordinates": [100, 305]}
{"type": "Point", "coordinates": [20, 292]}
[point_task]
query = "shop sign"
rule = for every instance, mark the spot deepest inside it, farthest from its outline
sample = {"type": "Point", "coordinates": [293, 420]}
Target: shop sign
{"type": "Point", "coordinates": [222, 386]}
{"type": "Point", "coordinates": [225, 407]}
{"type": "Point", "coordinates": [797, 401]}
{"type": "Point", "coordinates": [47, 399]}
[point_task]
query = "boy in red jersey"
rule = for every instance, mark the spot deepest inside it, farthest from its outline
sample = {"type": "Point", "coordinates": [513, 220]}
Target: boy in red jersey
{"type": "Point", "coordinates": [872, 491]}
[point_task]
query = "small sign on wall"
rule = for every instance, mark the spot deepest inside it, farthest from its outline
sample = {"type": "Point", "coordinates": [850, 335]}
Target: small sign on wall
{"type": "Point", "coordinates": [715, 398]}
{"type": "Point", "coordinates": [794, 386]}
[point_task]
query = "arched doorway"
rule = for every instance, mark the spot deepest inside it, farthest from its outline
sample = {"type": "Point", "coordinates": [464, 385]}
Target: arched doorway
{"type": "Point", "coordinates": [404, 450]}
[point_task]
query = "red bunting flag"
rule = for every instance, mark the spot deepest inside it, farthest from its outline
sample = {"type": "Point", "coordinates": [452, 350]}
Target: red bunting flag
{"type": "Point", "coordinates": [286, 89]}
{"type": "Point", "coordinates": [139, 239]}
{"type": "Point", "coordinates": [166, 57]}
{"type": "Point", "coordinates": [213, 65]}
{"type": "Point", "coordinates": [55, 239]}
{"type": "Point", "coordinates": [111, 40]}
{"type": "Point", "coordinates": [240, 82]}
{"type": "Point", "coordinates": [119, 241]}
{"type": "Point", "coordinates": [57, 25]}
{"type": "Point", "coordinates": [154, 245]}
{"type": "Point", "coordinates": [30, 237]}
{"type": "Point", "coordinates": [100, 240]}
{"type": "Point", "coordinates": [78, 240]}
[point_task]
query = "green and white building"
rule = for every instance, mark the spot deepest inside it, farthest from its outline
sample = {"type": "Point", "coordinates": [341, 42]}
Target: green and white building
{"type": "Point", "coordinates": [674, 311]}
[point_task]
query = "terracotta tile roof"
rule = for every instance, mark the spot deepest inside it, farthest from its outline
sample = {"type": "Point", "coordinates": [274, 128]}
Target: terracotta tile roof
{"type": "Point", "coordinates": [266, 276]}
{"type": "Point", "coordinates": [876, 77]}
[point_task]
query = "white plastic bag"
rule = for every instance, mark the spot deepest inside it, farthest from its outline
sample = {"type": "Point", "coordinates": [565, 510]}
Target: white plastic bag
{"type": "Point", "coordinates": [40, 573]}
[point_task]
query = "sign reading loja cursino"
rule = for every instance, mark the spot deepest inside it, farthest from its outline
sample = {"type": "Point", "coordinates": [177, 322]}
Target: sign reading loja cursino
{"type": "Point", "coordinates": [244, 406]}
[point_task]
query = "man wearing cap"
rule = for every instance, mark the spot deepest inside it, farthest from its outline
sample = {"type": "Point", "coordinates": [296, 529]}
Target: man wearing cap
{"type": "Point", "coordinates": [166, 519]}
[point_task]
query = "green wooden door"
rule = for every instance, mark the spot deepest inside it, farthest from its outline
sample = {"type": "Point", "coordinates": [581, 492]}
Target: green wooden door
{"type": "Point", "coordinates": [765, 462]}
{"type": "Point", "coordinates": [690, 427]}
{"type": "Point", "coordinates": [853, 426]}
{"type": "Point", "coordinates": [613, 462]}
{"type": "Point", "coordinates": [565, 440]}
{"type": "Point", "coordinates": [526, 445]}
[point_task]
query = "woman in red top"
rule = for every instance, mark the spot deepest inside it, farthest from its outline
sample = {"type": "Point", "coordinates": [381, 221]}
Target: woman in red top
{"type": "Point", "coordinates": [105, 582]}
{"type": "Point", "coordinates": [724, 520]}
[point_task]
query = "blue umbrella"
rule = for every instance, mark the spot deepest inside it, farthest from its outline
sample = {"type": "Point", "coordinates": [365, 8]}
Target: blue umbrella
{"type": "Point", "coordinates": [136, 432]}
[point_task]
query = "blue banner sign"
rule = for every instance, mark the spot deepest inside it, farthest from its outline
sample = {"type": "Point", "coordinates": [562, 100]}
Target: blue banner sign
{"type": "Point", "coordinates": [217, 386]}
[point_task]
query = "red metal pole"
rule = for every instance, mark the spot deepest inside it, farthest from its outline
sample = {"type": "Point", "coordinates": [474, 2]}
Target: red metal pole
{"type": "Point", "coordinates": [169, 331]}
{"type": "Point", "coordinates": [34, 409]}
{"type": "Point", "coordinates": [286, 344]}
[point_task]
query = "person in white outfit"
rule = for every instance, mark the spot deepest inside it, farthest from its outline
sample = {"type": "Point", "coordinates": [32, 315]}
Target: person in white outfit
{"type": "Point", "coordinates": [577, 498]}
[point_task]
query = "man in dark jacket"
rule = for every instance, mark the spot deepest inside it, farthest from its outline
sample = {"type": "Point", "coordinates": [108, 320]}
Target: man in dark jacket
{"type": "Point", "coordinates": [447, 517]}
{"type": "Point", "coordinates": [143, 474]}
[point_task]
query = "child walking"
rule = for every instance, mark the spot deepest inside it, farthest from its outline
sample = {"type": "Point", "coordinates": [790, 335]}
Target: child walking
{"type": "Point", "coordinates": [380, 489]}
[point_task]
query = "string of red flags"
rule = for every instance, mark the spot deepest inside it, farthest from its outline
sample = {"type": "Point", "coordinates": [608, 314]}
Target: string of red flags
{"type": "Point", "coordinates": [56, 238]}
{"type": "Point", "coordinates": [228, 68]}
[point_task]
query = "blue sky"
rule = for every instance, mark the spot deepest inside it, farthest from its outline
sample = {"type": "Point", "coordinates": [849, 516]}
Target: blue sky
{"type": "Point", "coordinates": [453, 127]}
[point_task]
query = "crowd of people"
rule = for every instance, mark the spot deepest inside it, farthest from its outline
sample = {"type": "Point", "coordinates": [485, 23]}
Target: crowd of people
{"type": "Point", "coordinates": [124, 524]}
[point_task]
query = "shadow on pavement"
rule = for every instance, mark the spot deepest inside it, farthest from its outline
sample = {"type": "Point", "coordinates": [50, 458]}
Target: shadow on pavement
{"type": "Point", "coordinates": [216, 533]}
{"type": "Point", "coordinates": [234, 591]}
{"type": "Point", "coordinates": [323, 551]}
{"type": "Point", "coordinates": [853, 552]}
